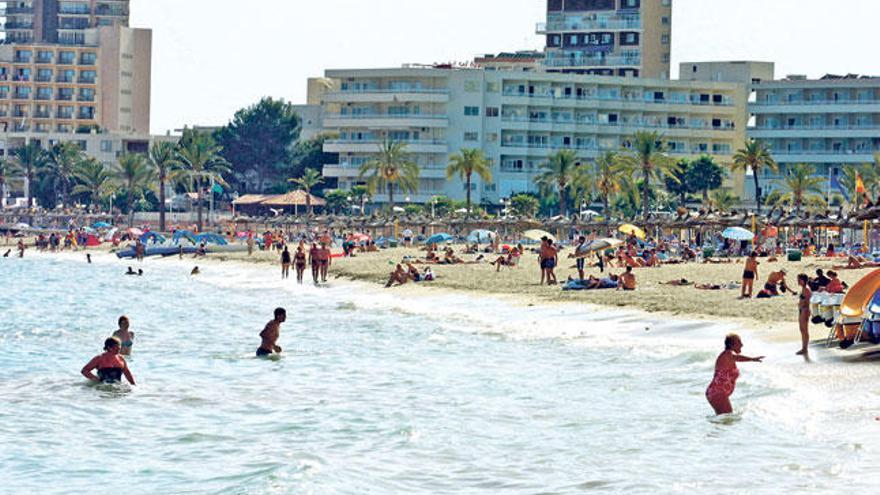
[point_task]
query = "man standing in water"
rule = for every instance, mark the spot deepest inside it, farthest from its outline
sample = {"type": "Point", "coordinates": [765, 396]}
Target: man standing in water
{"type": "Point", "coordinates": [270, 334]}
{"type": "Point", "coordinates": [313, 261]}
{"type": "Point", "coordinates": [324, 257]}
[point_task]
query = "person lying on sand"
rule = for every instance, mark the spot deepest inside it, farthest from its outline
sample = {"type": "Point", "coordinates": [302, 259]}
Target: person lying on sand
{"type": "Point", "coordinates": [717, 261]}
{"type": "Point", "coordinates": [855, 263]}
{"type": "Point", "coordinates": [678, 283]}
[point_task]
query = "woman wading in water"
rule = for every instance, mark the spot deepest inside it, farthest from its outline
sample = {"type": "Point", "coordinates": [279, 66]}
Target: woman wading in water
{"type": "Point", "coordinates": [726, 373]}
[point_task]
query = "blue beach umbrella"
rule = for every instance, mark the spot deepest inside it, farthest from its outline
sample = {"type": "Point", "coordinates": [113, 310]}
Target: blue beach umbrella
{"type": "Point", "coordinates": [102, 225]}
{"type": "Point", "coordinates": [439, 238]}
{"type": "Point", "coordinates": [737, 234]}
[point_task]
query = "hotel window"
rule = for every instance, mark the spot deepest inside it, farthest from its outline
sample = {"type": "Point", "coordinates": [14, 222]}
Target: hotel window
{"type": "Point", "coordinates": [666, 3]}
{"type": "Point", "coordinates": [471, 136]}
{"type": "Point", "coordinates": [629, 4]}
{"type": "Point", "coordinates": [106, 146]}
{"type": "Point", "coordinates": [664, 20]}
{"type": "Point", "coordinates": [665, 58]}
{"type": "Point", "coordinates": [629, 39]}
{"type": "Point", "coordinates": [664, 39]}
{"type": "Point", "coordinates": [471, 86]}
{"type": "Point", "coordinates": [491, 87]}
{"type": "Point", "coordinates": [472, 111]}
{"type": "Point", "coordinates": [492, 137]}
{"type": "Point", "coordinates": [491, 111]}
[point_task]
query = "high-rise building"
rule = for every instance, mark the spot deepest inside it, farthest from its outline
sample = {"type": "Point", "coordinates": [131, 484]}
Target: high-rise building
{"type": "Point", "coordinates": [518, 118]}
{"type": "Point", "coordinates": [630, 38]}
{"type": "Point", "coordinates": [60, 21]}
{"type": "Point", "coordinates": [828, 123]}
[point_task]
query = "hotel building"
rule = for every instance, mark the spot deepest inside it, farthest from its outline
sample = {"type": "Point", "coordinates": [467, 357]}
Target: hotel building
{"type": "Point", "coordinates": [517, 118]}
{"type": "Point", "coordinates": [629, 38]}
{"type": "Point", "coordinates": [828, 123]}
{"type": "Point", "coordinates": [60, 21]}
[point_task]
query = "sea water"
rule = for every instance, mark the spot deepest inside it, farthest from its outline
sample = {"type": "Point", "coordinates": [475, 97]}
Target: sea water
{"type": "Point", "coordinates": [379, 393]}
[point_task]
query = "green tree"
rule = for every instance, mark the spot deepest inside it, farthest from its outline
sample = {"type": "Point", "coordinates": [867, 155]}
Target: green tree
{"type": "Point", "coordinates": [609, 179]}
{"type": "Point", "coordinates": [465, 164]}
{"type": "Point", "coordinates": [200, 162]}
{"type": "Point", "coordinates": [257, 142]}
{"type": "Point", "coordinates": [392, 167]}
{"type": "Point", "coordinates": [93, 180]}
{"type": "Point", "coordinates": [704, 175]}
{"type": "Point", "coordinates": [307, 182]}
{"type": "Point", "coordinates": [337, 200]}
{"type": "Point", "coordinates": [754, 156]}
{"type": "Point", "coordinates": [648, 157]}
{"type": "Point", "coordinates": [309, 154]}
{"type": "Point", "coordinates": [360, 194]}
{"type": "Point", "coordinates": [557, 175]}
{"type": "Point", "coordinates": [723, 200]}
{"type": "Point", "coordinates": [30, 158]}
{"type": "Point", "coordinates": [135, 176]}
{"type": "Point", "coordinates": [524, 205]}
{"type": "Point", "coordinates": [803, 187]}
{"type": "Point", "coordinates": [164, 159]}
{"type": "Point", "coordinates": [678, 185]}
{"type": "Point", "coordinates": [63, 161]}
{"type": "Point", "coordinates": [8, 171]}
{"type": "Point", "coordinates": [440, 206]}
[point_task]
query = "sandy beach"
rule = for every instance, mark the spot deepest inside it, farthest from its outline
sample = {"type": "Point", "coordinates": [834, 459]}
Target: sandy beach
{"type": "Point", "coordinates": [773, 319]}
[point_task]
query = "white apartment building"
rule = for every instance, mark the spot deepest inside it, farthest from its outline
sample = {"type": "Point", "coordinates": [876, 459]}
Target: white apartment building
{"type": "Point", "coordinates": [518, 118]}
{"type": "Point", "coordinates": [828, 123]}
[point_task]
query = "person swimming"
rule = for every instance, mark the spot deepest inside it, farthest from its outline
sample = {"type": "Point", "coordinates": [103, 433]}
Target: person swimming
{"type": "Point", "coordinates": [131, 271]}
{"type": "Point", "coordinates": [111, 367]}
{"type": "Point", "coordinates": [125, 336]}
{"type": "Point", "coordinates": [195, 271]}
{"type": "Point", "coordinates": [726, 374]}
{"type": "Point", "coordinates": [270, 334]}
{"type": "Point", "coordinates": [7, 253]}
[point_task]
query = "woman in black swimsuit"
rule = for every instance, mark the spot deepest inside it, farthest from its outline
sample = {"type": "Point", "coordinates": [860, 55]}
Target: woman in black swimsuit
{"type": "Point", "coordinates": [299, 261]}
{"type": "Point", "coordinates": [110, 365]}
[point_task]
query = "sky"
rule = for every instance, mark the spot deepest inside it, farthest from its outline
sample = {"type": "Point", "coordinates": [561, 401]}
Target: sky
{"type": "Point", "coordinates": [212, 57]}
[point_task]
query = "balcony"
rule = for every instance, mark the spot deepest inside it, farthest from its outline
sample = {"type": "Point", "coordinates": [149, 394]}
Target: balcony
{"type": "Point", "coordinates": [86, 115]}
{"type": "Point", "coordinates": [43, 96]}
{"type": "Point", "coordinates": [64, 79]}
{"type": "Point", "coordinates": [588, 25]}
{"type": "Point", "coordinates": [13, 25]}
{"type": "Point", "coordinates": [74, 24]}
{"type": "Point", "coordinates": [64, 97]}
{"type": "Point", "coordinates": [64, 115]}
{"type": "Point", "coordinates": [823, 155]}
{"type": "Point", "coordinates": [39, 78]}
{"type": "Point", "coordinates": [19, 114]}
{"type": "Point", "coordinates": [817, 106]}
{"type": "Point", "coordinates": [611, 61]}
{"type": "Point", "coordinates": [42, 115]}
{"type": "Point", "coordinates": [375, 95]}
{"type": "Point", "coordinates": [86, 80]}
{"type": "Point", "coordinates": [386, 120]}
{"type": "Point", "coordinates": [11, 10]}
{"type": "Point", "coordinates": [725, 102]}
{"type": "Point", "coordinates": [73, 10]}
{"type": "Point", "coordinates": [373, 146]}
{"type": "Point", "coordinates": [85, 98]}
{"type": "Point", "coordinates": [816, 131]}
{"type": "Point", "coordinates": [21, 96]}
{"type": "Point", "coordinates": [21, 78]}
{"type": "Point", "coordinates": [44, 60]}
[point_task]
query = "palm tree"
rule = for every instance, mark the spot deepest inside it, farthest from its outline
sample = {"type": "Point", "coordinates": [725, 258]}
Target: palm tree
{"type": "Point", "coordinates": [465, 164]}
{"type": "Point", "coordinates": [200, 162]}
{"type": "Point", "coordinates": [310, 179]}
{"type": "Point", "coordinates": [754, 156]}
{"type": "Point", "coordinates": [63, 161]}
{"type": "Point", "coordinates": [135, 175]}
{"type": "Point", "coordinates": [648, 157]}
{"type": "Point", "coordinates": [163, 158]}
{"type": "Point", "coordinates": [557, 175]}
{"type": "Point", "coordinates": [723, 200]}
{"type": "Point", "coordinates": [803, 186]}
{"type": "Point", "coordinates": [93, 179]}
{"type": "Point", "coordinates": [8, 171]}
{"type": "Point", "coordinates": [608, 179]}
{"type": "Point", "coordinates": [393, 166]}
{"type": "Point", "coordinates": [30, 158]}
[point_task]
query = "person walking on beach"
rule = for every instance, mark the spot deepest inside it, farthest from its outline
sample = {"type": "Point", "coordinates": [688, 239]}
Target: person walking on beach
{"type": "Point", "coordinates": [271, 332]}
{"type": "Point", "coordinates": [581, 252]}
{"type": "Point", "coordinates": [250, 243]}
{"type": "Point", "coordinates": [285, 263]}
{"type": "Point", "coordinates": [750, 273]}
{"type": "Point", "coordinates": [125, 336]}
{"type": "Point", "coordinates": [299, 262]}
{"type": "Point", "coordinates": [313, 261]}
{"type": "Point", "coordinates": [726, 373]}
{"type": "Point", "coordinates": [804, 314]}
{"type": "Point", "coordinates": [110, 365]}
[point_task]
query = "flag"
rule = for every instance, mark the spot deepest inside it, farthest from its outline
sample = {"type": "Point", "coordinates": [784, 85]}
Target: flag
{"type": "Point", "coordinates": [860, 185]}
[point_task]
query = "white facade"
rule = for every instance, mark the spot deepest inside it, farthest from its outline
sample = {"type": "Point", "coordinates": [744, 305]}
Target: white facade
{"type": "Point", "coordinates": [518, 119]}
{"type": "Point", "coordinates": [828, 123]}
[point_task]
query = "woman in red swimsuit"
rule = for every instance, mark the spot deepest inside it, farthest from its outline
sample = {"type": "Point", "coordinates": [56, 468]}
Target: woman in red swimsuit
{"type": "Point", "coordinates": [726, 374]}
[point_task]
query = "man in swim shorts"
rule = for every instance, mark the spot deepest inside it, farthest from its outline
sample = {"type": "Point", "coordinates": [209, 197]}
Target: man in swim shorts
{"type": "Point", "coordinates": [549, 255]}
{"type": "Point", "coordinates": [270, 334]}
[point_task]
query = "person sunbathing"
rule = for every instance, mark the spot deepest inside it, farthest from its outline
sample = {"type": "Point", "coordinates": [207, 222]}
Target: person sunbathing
{"type": "Point", "coordinates": [413, 273]}
{"type": "Point", "coordinates": [855, 263]}
{"type": "Point", "coordinates": [502, 261]}
{"type": "Point", "coordinates": [678, 283]}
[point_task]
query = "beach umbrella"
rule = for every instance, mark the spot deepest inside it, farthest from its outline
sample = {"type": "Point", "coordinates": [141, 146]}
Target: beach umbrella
{"type": "Point", "coordinates": [21, 225]}
{"type": "Point", "coordinates": [737, 234]}
{"type": "Point", "coordinates": [537, 235]}
{"type": "Point", "coordinates": [603, 244]}
{"type": "Point", "coordinates": [481, 235]}
{"type": "Point", "coordinates": [102, 225]}
{"type": "Point", "coordinates": [398, 209]}
{"type": "Point", "coordinates": [439, 238]}
{"type": "Point", "coordinates": [632, 229]}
